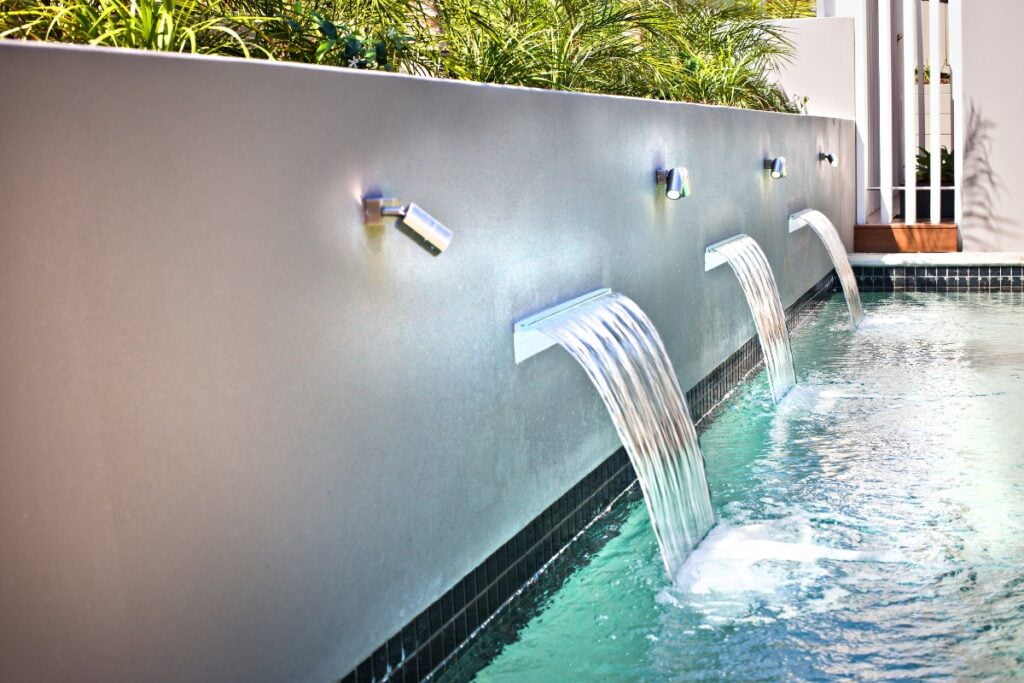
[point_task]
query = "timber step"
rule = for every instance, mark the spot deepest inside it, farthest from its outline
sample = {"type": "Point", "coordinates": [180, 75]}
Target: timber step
{"type": "Point", "coordinates": [905, 238]}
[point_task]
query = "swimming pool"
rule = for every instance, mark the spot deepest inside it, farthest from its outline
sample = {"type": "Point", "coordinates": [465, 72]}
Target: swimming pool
{"type": "Point", "coordinates": [871, 525]}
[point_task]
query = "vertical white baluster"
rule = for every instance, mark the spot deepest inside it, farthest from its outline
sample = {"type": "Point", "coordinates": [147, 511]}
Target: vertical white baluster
{"type": "Point", "coordinates": [863, 118]}
{"type": "Point", "coordinates": [922, 126]}
{"type": "Point", "coordinates": [934, 118]}
{"type": "Point", "coordinates": [885, 118]}
{"type": "Point", "coordinates": [958, 110]}
{"type": "Point", "coordinates": [909, 113]}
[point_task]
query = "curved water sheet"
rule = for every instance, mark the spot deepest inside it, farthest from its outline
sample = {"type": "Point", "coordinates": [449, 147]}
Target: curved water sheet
{"type": "Point", "coordinates": [829, 236]}
{"type": "Point", "coordinates": [622, 354]}
{"type": "Point", "coordinates": [751, 267]}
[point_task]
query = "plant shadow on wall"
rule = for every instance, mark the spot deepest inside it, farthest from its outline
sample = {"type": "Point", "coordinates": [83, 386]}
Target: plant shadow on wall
{"type": "Point", "coordinates": [982, 188]}
{"type": "Point", "coordinates": [709, 51]}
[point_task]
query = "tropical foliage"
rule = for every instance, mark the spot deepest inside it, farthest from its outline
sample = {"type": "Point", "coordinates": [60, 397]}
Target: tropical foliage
{"type": "Point", "coordinates": [198, 26]}
{"type": "Point", "coordinates": [790, 9]}
{"type": "Point", "coordinates": [924, 166]}
{"type": "Point", "coordinates": [710, 51]}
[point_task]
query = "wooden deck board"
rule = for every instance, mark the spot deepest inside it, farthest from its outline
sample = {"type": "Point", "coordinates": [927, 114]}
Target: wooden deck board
{"type": "Point", "coordinates": [903, 238]}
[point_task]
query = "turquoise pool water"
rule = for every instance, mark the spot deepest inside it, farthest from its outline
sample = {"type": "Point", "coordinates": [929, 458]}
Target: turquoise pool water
{"type": "Point", "coordinates": [871, 525]}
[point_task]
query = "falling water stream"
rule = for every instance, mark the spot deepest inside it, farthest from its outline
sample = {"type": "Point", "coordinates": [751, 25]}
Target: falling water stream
{"type": "Point", "coordinates": [751, 267]}
{"type": "Point", "coordinates": [820, 223]}
{"type": "Point", "coordinates": [622, 353]}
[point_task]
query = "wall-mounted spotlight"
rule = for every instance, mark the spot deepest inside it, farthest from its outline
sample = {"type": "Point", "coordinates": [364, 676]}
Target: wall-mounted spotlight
{"type": "Point", "coordinates": [428, 228]}
{"type": "Point", "coordinates": [831, 158]}
{"type": "Point", "coordinates": [777, 167]}
{"type": "Point", "coordinates": [676, 182]}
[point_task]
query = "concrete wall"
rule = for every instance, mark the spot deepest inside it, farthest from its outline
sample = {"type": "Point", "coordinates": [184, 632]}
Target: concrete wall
{"type": "Point", "coordinates": [244, 437]}
{"type": "Point", "coordinates": [822, 67]}
{"type": "Point", "coordinates": [994, 146]}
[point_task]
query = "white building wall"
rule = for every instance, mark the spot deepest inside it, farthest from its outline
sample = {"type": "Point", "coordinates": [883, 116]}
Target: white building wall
{"type": "Point", "coordinates": [992, 208]}
{"type": "Point", "coordinates": [994, 145]}
{"type": "Point", "coordinates": [822, 68]}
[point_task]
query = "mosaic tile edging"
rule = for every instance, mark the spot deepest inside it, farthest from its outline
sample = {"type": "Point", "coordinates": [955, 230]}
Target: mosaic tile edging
{"type": "Point", "coordinates": [940, 278]}
{"type": "Point", "coordinates": [439, 631]}
{"type": "Point", "coordinates": [431, 642]}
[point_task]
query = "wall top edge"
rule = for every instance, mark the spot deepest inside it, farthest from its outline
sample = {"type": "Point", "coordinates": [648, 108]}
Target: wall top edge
{"type": "Point", "coordinates": [796, 21]}
{"type": "Point", "coordinates": [11, 46]}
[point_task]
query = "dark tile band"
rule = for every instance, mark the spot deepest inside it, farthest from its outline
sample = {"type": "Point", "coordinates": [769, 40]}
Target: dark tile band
{"type": "Point", "coordinates": [430, 643]}
{"type": "Point", "coordinates": [939, 278]}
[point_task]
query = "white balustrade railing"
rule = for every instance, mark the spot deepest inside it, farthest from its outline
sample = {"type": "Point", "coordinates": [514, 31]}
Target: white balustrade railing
{"type": "Point", "coordinates": [900, 103]}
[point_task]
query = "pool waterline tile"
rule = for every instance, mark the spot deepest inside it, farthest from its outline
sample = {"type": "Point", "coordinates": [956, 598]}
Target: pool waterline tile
{"type": "Point", "coordinates": [963, 278]}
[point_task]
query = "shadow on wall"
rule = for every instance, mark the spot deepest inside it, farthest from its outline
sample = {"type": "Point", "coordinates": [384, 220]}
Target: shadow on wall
{"type": "Point", "coordinates": [985, 229]}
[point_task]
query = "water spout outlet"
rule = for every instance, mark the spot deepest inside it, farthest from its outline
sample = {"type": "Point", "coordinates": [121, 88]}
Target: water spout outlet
{"type": "Point", "coordinates": [714, 257]}
{"type": "Point", "coordinates": [377, 209]}
{"type": "Point", "coordinates": [528, 340]}
{"type": "Point", "coordinates": [800, 219]}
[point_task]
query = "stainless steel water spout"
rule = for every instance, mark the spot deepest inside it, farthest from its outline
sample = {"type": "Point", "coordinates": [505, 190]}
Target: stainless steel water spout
{"type": "Point", "coordinates": [528, 341]}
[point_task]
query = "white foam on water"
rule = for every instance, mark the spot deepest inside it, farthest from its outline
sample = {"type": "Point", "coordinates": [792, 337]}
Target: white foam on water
{"type": "Point", "coordinates": [831, 599]}
{"type": "Point", "coordinates": [804, 398]}
{"type": "Point", "coordinates": [885, 322]}
{"type": "Point", "coordinates": [809, 398]}
{"type": "Point", "coordinates": [760, 570]}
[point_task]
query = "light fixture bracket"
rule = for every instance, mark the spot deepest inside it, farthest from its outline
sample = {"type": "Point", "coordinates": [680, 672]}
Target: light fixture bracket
{"type": "Point", "coordinates": [375, 209]}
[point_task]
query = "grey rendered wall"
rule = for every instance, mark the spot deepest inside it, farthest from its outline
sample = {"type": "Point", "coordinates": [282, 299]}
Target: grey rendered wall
{"type": "Point", "coordinates": [822, 65]}
{"type": "Point", "coordinates": [243, 437]}
{"type": "Point", "coordinates": [993, 144]}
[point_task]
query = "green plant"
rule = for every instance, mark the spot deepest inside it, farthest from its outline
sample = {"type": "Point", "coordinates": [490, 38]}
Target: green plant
{"type": "Point", "coordinates": [709, 51]}
{"type": "Point", "coordinates": [790, 9]}
{"type": "Point", "coordinates": [728, 53]}
{"type": "Point", "coordinates": [197, 26]}
{"type": "Point", "coordinates": [945, 76]}
{"type": "Point", "coordinates": [590, 45]}
{"type": "Point", "coordinates": [691, 50]}
{"type": "Point", "coordinates": [364, 35]}
{"type": "Point", "coordinates": [924, 166]}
